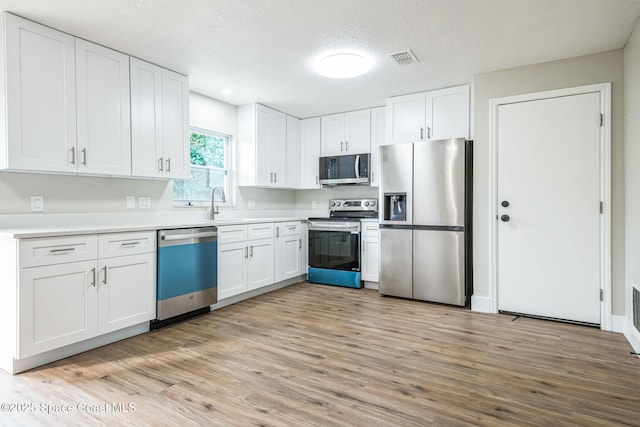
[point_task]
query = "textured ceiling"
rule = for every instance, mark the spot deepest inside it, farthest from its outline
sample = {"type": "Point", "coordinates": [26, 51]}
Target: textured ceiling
{"type": "Point", "coordinates": [263, 49]}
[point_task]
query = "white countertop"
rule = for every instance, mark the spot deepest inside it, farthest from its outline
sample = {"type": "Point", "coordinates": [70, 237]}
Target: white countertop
{"type": "Point", "coordinates": [74, 224]}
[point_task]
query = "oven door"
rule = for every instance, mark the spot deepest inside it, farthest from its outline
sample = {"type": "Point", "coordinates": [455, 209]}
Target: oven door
{"type": "Point", "coordinates": [334, 249]}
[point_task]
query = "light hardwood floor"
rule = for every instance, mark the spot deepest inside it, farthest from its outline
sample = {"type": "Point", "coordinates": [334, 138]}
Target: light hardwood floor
{"type": "Point", "coordinates": [314, 355]}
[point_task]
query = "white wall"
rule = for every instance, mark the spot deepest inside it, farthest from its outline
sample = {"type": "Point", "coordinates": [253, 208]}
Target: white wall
{"type": "Point", "coordinates": [585, 70]}
{"type": "Point", "coordinates": [631, 165]}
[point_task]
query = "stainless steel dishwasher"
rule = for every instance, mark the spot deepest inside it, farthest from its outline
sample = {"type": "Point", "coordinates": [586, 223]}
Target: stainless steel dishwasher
{"type": "Point", "coordinates": [187, 273]}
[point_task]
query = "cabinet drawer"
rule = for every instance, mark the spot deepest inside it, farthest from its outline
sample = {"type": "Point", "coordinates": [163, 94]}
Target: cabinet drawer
{"type": "Point", "coordinates": [369, 229]}
{"type": "Point", "coordinates": [232, 233]}
{"type": "Point", "coordinates": [291, 228]}
{"type": "Point", "coordinates": [261, 231]}
{"type": "Point", "coordinates": [57, 250]}
{"type": "Point", "coordinates": [119, 244]}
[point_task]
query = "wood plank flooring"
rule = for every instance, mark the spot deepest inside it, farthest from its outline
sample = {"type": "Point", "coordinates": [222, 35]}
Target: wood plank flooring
{"type": "Point", "coordinates": [314, 355]}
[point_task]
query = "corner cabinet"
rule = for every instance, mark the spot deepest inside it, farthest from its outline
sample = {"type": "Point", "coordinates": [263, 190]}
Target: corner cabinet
{"type": "Point", "coordinates": [346, 133]}
{"type": "Point", "coordinates": [70, 289]}
{"type": "Point", "coordinates": [433, 115]}
{"type": "Point", "coordinates": [293, 152]}
{"type": "Point", "coordinates": [310, 153]}
{"type": "Point", "coordinates": [261, 146]}
{"type": "Point", "coordinates": [159, 122]}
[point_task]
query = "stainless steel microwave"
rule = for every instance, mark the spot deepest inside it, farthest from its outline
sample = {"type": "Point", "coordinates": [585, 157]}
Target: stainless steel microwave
{"type": "Point", "coordinates": [344, 170]}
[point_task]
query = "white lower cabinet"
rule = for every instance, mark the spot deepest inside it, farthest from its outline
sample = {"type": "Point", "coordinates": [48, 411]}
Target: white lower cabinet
{"type": "Point", "coordinates": [289, 250]}
{"type": "Point", "coordinates": [245, 258]}
{"type": "Point", "coordinates": [74, 288]}
{"type": "Point", "coordinates": [370, 251]}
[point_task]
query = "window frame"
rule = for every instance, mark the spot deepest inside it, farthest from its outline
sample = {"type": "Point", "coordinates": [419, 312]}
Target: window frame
{"type": "Point", "coordinates": [227, 169]}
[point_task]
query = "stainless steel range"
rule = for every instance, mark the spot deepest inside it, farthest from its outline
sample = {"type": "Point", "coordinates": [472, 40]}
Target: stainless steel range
{"type": "Point", "coordinates": [334, 242]}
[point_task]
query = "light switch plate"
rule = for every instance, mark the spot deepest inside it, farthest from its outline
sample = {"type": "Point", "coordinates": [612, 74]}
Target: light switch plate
{"type": "Point", "coordinates": [144, 202]}
{"type": "Point", "coordinates": [37, 203]}
{"type": "Point", "coordinates": [131, 202]}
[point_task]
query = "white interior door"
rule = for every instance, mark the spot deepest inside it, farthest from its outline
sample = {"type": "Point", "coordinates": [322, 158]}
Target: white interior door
{"type": "Point", "coordinates": [549, 207]}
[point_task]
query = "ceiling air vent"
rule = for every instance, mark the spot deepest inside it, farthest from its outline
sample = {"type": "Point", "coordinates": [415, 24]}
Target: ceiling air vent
{"type": "Point", "coordinates": [403, 58]}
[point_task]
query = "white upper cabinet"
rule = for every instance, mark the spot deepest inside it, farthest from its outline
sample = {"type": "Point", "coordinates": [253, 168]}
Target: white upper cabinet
{"type": "Point", "coordinates": [346, 133]}
{"type": "Point", "coordinates": [438, 114]}
{"type": "Point", "coordinates": [103, 114]}
{"type": "Point", "coordinates": [261, 146]}
{"type": "Point", "coordinates": [378, 135]}
{"type": "Point", "coordinates": [447, 112]}
{"type": "Point", "coordinates": [292, 152]}
{"type": "Point", "coordinates": [310, 152]}
{"type": "Point", "coordinates": [175, 125]}
{"type": "Point", "coordinates": [406, 118]}
{"type": "Point", "coordinates": [40, 89]}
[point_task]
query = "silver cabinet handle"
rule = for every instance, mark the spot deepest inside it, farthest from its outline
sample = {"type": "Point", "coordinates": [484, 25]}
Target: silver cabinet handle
{"type": "Point", "coordinates": [364, 248]}
{"type": "Point", "coordinates": [84, 157]}
{"type": "Point", "coordinates": [246, 252]}
{"type": "Point", "coordinates": [373, 176]}
{"type": "Point", "coordinates": [93, 273]}
{"type": "Point", "coordinates": [129, 244]}
{"type": "Point", "coordinates": [104, 281]}
{"type": "Point", "coordinates": [428, 132]}
{"type": "Point", "coordinates": [299, 243]}
{"type": "Point", "coordinates": [421, 133]}
{"type": "Point", "coordinates": [160, 164]}
{"type": "Point", "coordinates": [341, 146]}
{"type": "Point", "coordinates": [168, 162]}
{"type": "Point", "coordinates": [251, 251]}
{"type": "Point", "coordinates": [270, 176]}
{"type": "Point", "coordinates": [346, 146]}
{"type": "Point", "coordinates": [61, 251]}
{"type": "Point", "coordinates": [317, 179]}
{"type": "Point", "coordinates": [275, 177]}
{"type": "Point", "coordinates": [277, 231]}
{"type": "Point", "coordinates": [73, 155]}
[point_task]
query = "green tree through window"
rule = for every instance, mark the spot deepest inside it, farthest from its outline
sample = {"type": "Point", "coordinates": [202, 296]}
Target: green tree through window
{"type": "Point", "coordinates": [209, 167]}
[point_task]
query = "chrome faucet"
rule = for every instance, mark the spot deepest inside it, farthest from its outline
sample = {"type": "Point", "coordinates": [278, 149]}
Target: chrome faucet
{"type": "Point", "coordinates": [214, 209]}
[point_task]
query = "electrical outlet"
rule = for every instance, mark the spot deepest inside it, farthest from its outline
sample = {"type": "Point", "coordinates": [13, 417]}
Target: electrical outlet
{"type": "Point", "coordinates": [251, 204]}
{"type": "Point", "coordinates": [131, 202]}
{"type": "Point", "coordinates": [314, 204]}
{"type": "Point", "coordinates": [37, 203]}
{"type": "Point", "coordinates": [144, 202]}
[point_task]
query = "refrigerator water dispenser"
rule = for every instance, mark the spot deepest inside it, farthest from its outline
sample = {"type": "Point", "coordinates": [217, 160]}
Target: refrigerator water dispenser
{"type": "Point", "coordinates": [395, 206]}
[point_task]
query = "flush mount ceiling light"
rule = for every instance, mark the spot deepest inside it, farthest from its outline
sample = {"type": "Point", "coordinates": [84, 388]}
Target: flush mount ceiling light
{"type": "Point", "coordinates": [343, 65]}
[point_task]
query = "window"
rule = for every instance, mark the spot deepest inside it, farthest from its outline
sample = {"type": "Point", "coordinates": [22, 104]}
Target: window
{"type": "Point", "coordinates": [209, 167]}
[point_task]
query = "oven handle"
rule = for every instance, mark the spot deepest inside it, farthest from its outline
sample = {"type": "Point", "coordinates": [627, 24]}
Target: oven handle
{"type": "Point", "coordinates": [338, 229]}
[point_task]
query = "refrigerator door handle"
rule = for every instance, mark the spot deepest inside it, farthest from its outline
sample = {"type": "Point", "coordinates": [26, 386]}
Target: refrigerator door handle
{"type": "Point", "coordinates": [357, 166]}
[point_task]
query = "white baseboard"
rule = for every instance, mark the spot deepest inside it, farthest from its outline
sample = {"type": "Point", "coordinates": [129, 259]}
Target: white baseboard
{"type": "Point", "coordinates": [617, 323]}
{"type": "Point", "coordinates": [481, 304]}
{"type": "Point", "coordinates": [370, 285]}
{"type": "Point", "coordinates": [21, 365]}
{"type": "Point", "coordinates": [631, 334]}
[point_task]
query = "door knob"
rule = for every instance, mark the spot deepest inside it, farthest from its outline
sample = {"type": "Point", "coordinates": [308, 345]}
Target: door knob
{"type": "Point", "coordinates": [505, 203]}
{"type": "Point", "coordinates": [505, 218]}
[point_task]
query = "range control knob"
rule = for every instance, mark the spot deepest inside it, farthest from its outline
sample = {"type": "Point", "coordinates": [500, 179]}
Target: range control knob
{"type": "Point", "coordinates": [333, 204]}
{"type": "Point", "coordinates": [338, 204]}
{"type": "Point", "coordinates": [366, 203]}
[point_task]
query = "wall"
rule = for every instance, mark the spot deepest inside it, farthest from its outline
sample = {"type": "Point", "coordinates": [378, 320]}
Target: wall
{"type": "Point", "coordinates": [632, 155]}
{"type": "Point", "coordinates": [585, 70]}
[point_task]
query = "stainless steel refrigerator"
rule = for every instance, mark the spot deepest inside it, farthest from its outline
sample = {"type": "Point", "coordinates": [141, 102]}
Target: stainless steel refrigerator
{"type": "Point", "coordinates": [425, 221]}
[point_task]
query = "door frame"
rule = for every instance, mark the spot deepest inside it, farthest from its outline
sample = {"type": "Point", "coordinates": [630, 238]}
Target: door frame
{"type": "Point", "coordinates": [604, 89]}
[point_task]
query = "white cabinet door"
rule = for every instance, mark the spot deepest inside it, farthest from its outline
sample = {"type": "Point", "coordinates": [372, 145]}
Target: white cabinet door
{"type": "Point", "coordinates": [289, 257]}
{"type": "Point", "coordinates": [447, 113]}
{"type": "Point", "coordinates": [261, 263]}
{"type": "Point", "coordinates": [357, 132]}
{"type": "Point", "coordinates": [292, 152]}
{"type": "Point", "coordinates": [310, 153]}
{"type": "Point", "coordinates": [126, 291]}
{"type": "Point", "coordinates": [370, 260]}
{"type": "Point", "coordinates": [378, 135]}
{"type": "Point", "coordinates": [175, 125]}
{"type": "Point", "coordinates": [232, 269]}
{"type": "Point", "coordinates": [146, 119]}
{"type": "Point", "coordinates": [332, 135]}
{"type": "Point", "coordinates": [103, 113]}
{"type": "Point", "coordinates": [41, 98]}
{"type": "Point", "coordinates": [270, 144]}
{"type": "Point", "coordinates": [406, 119]}
{"type": "Point", "coordinates": [57, 306]}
